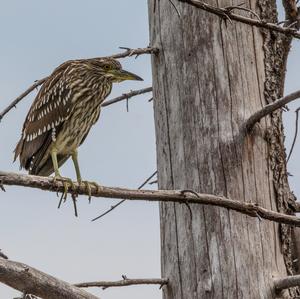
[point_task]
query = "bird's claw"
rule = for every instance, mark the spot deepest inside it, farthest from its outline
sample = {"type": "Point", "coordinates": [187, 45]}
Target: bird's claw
{"type": "Point", "coordinates": [67, 182]}
{"type": "Point", "coordinates": [89, 188]}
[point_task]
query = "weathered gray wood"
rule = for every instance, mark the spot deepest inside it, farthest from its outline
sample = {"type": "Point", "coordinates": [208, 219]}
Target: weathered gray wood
{"type": "Point", "coordinates": [123, 283]}
{"type": "Point", "coordinates": [208, 78]}
{"type": "Point", "coordinates": [32, 281]}
{"type": "Point", "coordinates": [287, 282]}
{"type": "Point", "coordinates": [178, 196]}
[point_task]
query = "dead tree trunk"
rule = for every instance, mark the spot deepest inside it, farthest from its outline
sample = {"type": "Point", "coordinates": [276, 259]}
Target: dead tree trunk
{"type": "Point", "coordinates": [208, 77]}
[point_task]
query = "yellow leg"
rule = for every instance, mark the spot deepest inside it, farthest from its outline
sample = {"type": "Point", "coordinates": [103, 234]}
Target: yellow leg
{"type": "Point", "coordinates": [78, 175]}
{"type": "Point", "coordinates": [76, 165]}
{"type": "Point", "coordinates": [55, 164]}
{"type": "Point", "coordinates": [66, 181]}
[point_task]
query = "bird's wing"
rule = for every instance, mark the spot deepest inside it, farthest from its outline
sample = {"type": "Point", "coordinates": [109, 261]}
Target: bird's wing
{"type": "Point", "coordinates": [48, 112]}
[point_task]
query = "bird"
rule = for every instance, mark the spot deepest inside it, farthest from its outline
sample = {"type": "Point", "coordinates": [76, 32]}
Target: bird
{"type": "Point", "coordinates": [63, 112]}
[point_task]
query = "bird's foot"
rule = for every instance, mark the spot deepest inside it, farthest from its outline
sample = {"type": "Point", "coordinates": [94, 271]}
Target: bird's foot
{"type": "Point", "coordinates": [67, 182]}
{"type": "Point", "coordinates": [88, 186]}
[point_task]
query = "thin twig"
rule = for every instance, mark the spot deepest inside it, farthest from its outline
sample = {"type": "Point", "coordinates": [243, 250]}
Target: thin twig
{"type": "Point", "coordinates": [292, 24]}
{"type": "Point", "coordinates": [230, 8]}
{"type": "Point", "coordinates": [176, 196]}
{"type": "Point", "coordinates": [134, 52]}
{"type": "Point", "coordinates": [268, 109]}
{"type": "Point", "coordinates": [296, 133]}
{"type": "Point", "coordinates": [74, 196]}
{"type": "Point", "coordinates": [2, 187]}
{"type": "Point", "coordinates": [176, 9]}
{"type": "Point", "coordinates": [122, 283]}
{"type": "Point", "coordinates": [120, 202]}
{"type": "Point", "coordinates": [129, 52]}
{"type": "Point", "coordinates": [21, 96]}
{"type": "Point", "coordinates": [286, 282]}
{"type": "Point", "coordinates": [153, 182]}
{"type": "Point", "coordinates": [223, 13]}
{"type": "Point", "coordinates": [126, 96]}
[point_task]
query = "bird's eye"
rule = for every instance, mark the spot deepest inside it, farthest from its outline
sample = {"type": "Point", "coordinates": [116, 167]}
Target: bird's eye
{"type": "Point", "coordinates": [107, 67]}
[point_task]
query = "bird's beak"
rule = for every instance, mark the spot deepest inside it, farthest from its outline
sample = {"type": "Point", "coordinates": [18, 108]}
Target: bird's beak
{"type": "Point", "coordinates": [122, 75]}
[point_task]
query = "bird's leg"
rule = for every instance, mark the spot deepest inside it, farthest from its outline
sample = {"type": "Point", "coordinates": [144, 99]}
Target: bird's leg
{"type": "Point", "coordinates": [79, 179]}
{"type": "Point", "coordinates": [76, 165]}
{"type": "Point", "coordinates": [57, 176]}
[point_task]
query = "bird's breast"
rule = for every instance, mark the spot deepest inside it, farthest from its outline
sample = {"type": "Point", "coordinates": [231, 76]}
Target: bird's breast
{"type": "Point", "coordinates": [76, 128]}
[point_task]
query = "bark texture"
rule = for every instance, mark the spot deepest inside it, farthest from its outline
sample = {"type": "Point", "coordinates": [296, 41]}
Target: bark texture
{"type": "Point", "coordinates": [208, 78]}
{"type": "Point", "coordinates": [32, 281]}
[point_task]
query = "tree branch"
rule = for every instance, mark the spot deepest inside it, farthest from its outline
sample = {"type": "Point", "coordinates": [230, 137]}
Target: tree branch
{"type": "Point", "coordinates": [286, 282]}
{"type": "Point", "coordinates": [227, 14]}
{"type": "Point", "coordinates": [291, 13]}
{"type": "Point", "coordinates": [295, 135]}
{"type": "Point", "coordinates": [122, 201]}
{"type": "Point", "coordinates": [126, 96]}
{"type": "Point", "coordinates": [21, 96]}
{"type": "Point", "coordinates": [122, 283]}
{"type": "Point", "coordinates": [32, 281]}
{"type": "Point", "coordinates": [127, 53]}
{"type": "Point", "coordinates": [268, 109]}
{"type": "Point", "coordinates": [134, 52]}
{"type": "Point", "coordinates": [184, 197]}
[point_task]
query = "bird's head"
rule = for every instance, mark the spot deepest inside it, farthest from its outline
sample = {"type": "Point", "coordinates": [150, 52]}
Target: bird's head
{"type": "Point", "coordinates": [112, 70]}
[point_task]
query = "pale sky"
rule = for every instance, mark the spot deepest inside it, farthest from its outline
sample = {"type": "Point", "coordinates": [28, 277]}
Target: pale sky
{"type": "Point", "coordinates": [36, 36]}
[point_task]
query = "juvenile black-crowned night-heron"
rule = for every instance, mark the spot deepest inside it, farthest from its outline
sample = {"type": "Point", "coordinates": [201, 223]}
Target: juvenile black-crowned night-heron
{"type": "Point", "coordinates": [63, 112]}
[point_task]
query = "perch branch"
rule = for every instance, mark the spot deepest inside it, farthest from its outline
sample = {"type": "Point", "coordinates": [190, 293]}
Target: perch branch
{"type": "Point", "coordinates": [32, 281]}
{"type": "Point", "coordinates": [227, 14]}
{"type": "Point", "coordinates": [268, 109]}
{"type": "Point", "coordinates": [126, 96]}
{"type": "Point", "coordinates": [122, 283]}
{"type": "Point", "coordinates": [127, 53]}
{"type": "Point", "coordinates": [286, 282]}
{"type": "Point", "coordinates": [186, 197]}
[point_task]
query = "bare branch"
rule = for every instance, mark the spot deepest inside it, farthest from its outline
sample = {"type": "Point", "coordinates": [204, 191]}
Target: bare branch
{"type": "Point", "coordinates": [178, 196]}
{"type": "Point", "coordinates": [224, 13]}
{"type": "Point", "coordinates": [286, 282]}
{"type": "Point", "coordinates": [32, 281]}
{"type": "Point", "coordinates": [295, 135]}
{"type": "Point", "coordinates": [120, 202]}
{"type": "Point", "coordinates": [268, 109]}
{"type": "Point", "coordinates": [291, 13]}
{"type": "Point", "coordinates": [126, 96]}
{"type": "Point", "coordinates": [230, 8]}
{"type": "Point", "coordinates": [134, 52]}
{"type": "Point", "coordinates": [22, 96]}
{"type": "Point", "coordinates": [129, 52]}
{"type": "Point", "coordinates": [174, 6]}
{"type": "Point", "coordinates": [122, 283]}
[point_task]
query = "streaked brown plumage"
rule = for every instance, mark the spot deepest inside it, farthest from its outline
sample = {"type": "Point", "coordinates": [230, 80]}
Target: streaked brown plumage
{"type": "Point", "coordinates": [66, 107]}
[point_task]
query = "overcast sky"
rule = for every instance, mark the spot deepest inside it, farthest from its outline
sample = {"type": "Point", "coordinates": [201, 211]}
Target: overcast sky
{"type": "Point", "coordinates": [36, 36]}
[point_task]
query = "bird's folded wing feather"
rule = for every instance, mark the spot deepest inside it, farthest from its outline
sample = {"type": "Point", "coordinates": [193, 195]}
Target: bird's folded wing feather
{"type": "Point", "coordinates": [47, 113]}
